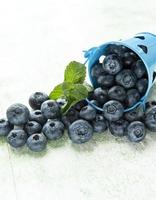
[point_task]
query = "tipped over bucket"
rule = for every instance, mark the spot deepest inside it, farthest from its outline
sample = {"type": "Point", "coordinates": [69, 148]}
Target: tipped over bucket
{"type": "Point", "coordinates": [143, 45]}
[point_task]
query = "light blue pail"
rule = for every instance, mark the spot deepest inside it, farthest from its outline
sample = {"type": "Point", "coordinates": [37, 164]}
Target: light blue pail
{"type": "Point", "coordinates": [143, 44]}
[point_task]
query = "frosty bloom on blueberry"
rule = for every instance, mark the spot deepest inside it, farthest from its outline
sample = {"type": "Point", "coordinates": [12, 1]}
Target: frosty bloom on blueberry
{"type": "Point", "coordinates": [136, 131]}
{"type": "Point", "coordinates": [37, 142]}
{"type": "Point", "coordinates": [80, 131]}
{"type": "Point", "coordinates": [36, 99]}
{"type": "Point", "coordinates": [17, 138]}
{"type": "Point", "coordinates": [113, 110]}
{"type": "Point", "coordinates": [17, 114]}
{"type": "Point", "coordinates": [112, 64]}
{"type": "Point", "coordinates": [5, 127]}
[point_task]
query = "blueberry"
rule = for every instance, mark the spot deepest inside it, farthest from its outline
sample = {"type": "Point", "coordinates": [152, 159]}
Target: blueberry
{"type": "Point", "coordinates": [5, 127]}
{"type": "Point", "coordinates": [139, 69]}
{"type": "Point", "coordinates": [126, 78]}
{"type": "Point", "coordinates": [33, 127]}
{"type": "Point", "coordinates": [112, 64]}
{"type": "Point", "coordinates": [79, 105]}
{"type": "Point", "coordinates": [71, 116]}
{"type": "Point", "coordinates": [142, 85]}
{"type": "Point", "coordinates": [37, 142]}
{"type": "Point", "coordinates": [116, 49]}
{"type": "Point", "coordinates": [136, 131]}
{"type": "Point", "coordinates": [36, 99]}
{"type": "Point", "coordinates": [88, 113]}
{"type": "Point", "coordinates": [53, 129]}
{"type": "Point", "coordinates": [66, 121]}
{"type": "Point", "coordinates": [129, 58]}
{"type": "Point", "coordinates": [105, 80]}
{"type": "Point", "coordinates": [37, 116]}
{"type": "Point", "coordinates": [80, 131]}
{"type": "Point", "coordinates": [101, 95]}
{"type": "Point", "coordinates": [17, 114]}
{"type": "Point", "coordinates": [99, 124]}
{"type": "Point", "coordinates": [50, 109]}
{"type": "Point", "coordinates": [150, 104]}
{"type": "Point", "coordinates": [134, 115]}
{"type": "Point", "coordinates": [150, 118]}
{"type": "Point", "coordinates": [119, 127]}
{"type": "Point", "coordinates": [113, 110]}
{"type": "Point", "coordinates": [17, 138]}
{"type": "Point", "coordinates": [112, 49]}
{"type": "Point", "coordinates": [97, 70]}
{"type": "Point", "coordinates": [132, 98]}
{"type": "Point", "coordinates": [117, 93]}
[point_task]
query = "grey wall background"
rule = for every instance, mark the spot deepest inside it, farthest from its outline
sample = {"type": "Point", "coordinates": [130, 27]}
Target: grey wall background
{"type": "Point", "coordinates": [37, 40]}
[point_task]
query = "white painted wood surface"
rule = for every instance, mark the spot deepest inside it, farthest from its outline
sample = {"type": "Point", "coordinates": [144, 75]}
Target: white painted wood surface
{"type": "Point", "coordinates": [37, 39]}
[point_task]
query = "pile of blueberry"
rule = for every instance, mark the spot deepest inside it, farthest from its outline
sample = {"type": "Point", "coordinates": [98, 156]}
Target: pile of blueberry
{"type": "Point", "coordinates": [121, 80]}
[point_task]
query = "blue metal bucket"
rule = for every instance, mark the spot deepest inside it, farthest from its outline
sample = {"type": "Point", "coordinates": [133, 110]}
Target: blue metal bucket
{"type": "Point", "coordinates": [143, 44]}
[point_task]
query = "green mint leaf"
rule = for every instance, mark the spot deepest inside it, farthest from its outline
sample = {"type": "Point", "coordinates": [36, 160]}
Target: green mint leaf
{"type": "Point", "coordinates": [67, 87]}
{"type": "Point", "coordinates": [68, 105]}
{"type": "Point", "coordinates": [74, 94]}
{"type": "Point", "coordinates": [79, 92]}
{"type": "Point", "coordinates": [75, 72]}
{"type": "Point", "coordinates": [88, 86]}
{"type": "Point", "coordinates": [57, 92]}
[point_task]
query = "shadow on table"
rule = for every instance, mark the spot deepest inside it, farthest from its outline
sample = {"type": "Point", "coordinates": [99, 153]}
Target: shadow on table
{"type": "Point", "coordinates": [98, 139]}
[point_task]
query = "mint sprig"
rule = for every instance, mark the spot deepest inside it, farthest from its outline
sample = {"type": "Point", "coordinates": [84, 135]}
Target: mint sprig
{"type": "Point", "coordinates": [73, 89]}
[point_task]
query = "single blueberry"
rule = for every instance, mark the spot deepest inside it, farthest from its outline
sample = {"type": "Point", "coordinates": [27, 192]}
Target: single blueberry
{"type": "Point", "coordinates": [79, 105]}
{"type": "Point", "coordinates": [134, 115]}
{"type": "Point", "coordinates": [5, 127]}
{"type": "Point", "coordinates": [112, 64]}
{"type": "Point", "coordinates": [113, 110]}
{"type": "Point", "coordinates": [105, 80]}
{"type": "Point", "coordinates": [142, 85]}
{"type": "Point", "coordinates": [17, 138]}
{"type": "Point", "coordinates": [97, 70]}
{"type": "Point", "coordinates": [119, 127]}
{"type": "Point", "coordinates": [80, 131]}
{"type": "Point", "coordinates": [17, 114]}
{"type": "Point", "coordinates": [139, 68]}
{"type": "Point", "coordinates": [32, 127]}
{"type": "Point", "coordinates": [150, 104]}
{"type": "Point", "coordinates": [36, 99]}
{"type": "Point", "coordinates": [37, 142]}
{"type": "Point", "coordinates": [50, 109]}
{"type": "Point", "coordinates": [150, 118]}
{"type": "Point", "coordinates": [117, 93]}
{"type": "Point", "coordinates": [132, 98]}
{"type": "Point", "coordinates": [53, 129]}
{"type": "Point", "coordinates": [100, 124]}
{"type": "Point", "coordinates": [101, 95]}
{"type": "Point", "coordinates": [116, 49]}
{"type": "Point", "coordinates": [126, 78]}
{"type": "Point", "coordinates": [136, 131]}
{"type": "Point", "coordinates": [71, 116]}
{"type": "Point", "coordinates": [36, 115]}
{"type": "Point", "coordinates": [88, 113]}
{"type": "Point", "coordinates": [129, 58]}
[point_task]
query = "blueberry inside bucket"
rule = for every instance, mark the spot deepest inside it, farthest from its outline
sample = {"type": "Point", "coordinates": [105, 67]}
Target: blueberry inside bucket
{"type": "Point", "coordinates": [121, 74]}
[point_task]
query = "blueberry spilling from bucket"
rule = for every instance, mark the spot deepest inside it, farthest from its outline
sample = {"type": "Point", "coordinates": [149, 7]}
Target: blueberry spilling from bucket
{"type": "Point", "coordinates": [120, 82]}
